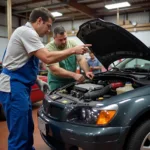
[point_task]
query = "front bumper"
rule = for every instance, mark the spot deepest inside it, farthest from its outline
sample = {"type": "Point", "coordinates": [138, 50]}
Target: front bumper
{"type": "Point", "coordinates": [61, 135]}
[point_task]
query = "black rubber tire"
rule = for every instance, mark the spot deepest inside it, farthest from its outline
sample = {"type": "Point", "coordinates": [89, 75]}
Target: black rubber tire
{"type": "Point", "coordinates": [138, 136]}
{"type": "Point", "coordinates": [2, 114]}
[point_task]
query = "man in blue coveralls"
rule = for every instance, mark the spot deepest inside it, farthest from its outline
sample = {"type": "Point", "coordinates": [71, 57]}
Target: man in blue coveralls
{"type": "Point", "coordinates": [20, 68]}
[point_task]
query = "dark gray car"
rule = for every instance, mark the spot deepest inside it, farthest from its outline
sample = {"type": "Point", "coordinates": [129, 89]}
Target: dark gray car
{"type": "Point", "coordinates": [94, 115]}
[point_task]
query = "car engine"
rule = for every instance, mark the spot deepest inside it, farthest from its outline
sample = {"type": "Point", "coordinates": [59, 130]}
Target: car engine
{"type": "Point", "coordinates": [102, 86]}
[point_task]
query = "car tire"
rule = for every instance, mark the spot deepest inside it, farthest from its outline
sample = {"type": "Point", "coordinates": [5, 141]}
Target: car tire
{"type": "Point", "coordinates": [2, 114]}
{"type": "Point", "coordinates": [140, 138]}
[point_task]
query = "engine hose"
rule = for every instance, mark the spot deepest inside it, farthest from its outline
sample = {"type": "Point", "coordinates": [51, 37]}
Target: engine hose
{"type": "Point", "coordinates": [97, 93]}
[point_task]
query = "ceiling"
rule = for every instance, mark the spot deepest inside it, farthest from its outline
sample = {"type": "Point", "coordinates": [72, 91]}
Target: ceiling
{"type": "Point", "coordinates": [74, 9]}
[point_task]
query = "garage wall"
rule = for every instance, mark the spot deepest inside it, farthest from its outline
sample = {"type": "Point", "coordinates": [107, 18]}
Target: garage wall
{"type": "Point", "coordinates": [143, 17]}
{"type": "Point", "coordinates": [69, 24]}
{"type": "Point", "coordinates": [140, 18]}
{"type": "Point", "coordinates": [114, 18]}
{"type": "Point", "coordinates": [3, 32]}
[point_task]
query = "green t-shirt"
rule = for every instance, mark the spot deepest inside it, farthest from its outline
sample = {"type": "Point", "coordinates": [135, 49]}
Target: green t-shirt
{"type": "Point", "coordinates": [70, 64]}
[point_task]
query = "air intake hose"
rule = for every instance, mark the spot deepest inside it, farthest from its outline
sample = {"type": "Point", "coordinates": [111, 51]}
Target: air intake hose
{"type": "Point", "coordinates": [97, 93]}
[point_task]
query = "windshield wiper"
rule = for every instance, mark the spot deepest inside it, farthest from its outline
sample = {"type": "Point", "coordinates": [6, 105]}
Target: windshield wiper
{"type": "Point", "coordinates": [115, 69]}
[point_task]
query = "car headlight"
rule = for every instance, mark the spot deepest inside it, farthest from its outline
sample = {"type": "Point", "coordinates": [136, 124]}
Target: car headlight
{"type": "Point", "coordinates": [93, 116]}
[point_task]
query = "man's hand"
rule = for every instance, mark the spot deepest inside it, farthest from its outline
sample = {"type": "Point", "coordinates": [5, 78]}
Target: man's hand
{"type": "Point", "coordinates": [82, 49]}
{"type": "Point", "coordinates": [79, 77]}
{"type": "Point", "coordinates": [42, 85]}
{"type": "Point", "coordinates": [90, 75]}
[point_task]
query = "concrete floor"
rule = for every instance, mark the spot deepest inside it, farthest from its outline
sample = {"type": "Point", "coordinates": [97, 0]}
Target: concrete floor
{"type": "Point", "coordinates": [38, 142]}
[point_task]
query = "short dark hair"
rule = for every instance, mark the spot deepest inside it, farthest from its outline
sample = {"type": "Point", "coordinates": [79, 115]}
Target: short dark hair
{"type": "Point", "coordinates": [59, 30]}
{"type": "Point", "coordinates": [42, 12]}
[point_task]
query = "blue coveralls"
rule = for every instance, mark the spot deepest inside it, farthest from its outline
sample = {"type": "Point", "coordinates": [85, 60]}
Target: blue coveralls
{"type": "Point", "coordinates": [17, 105]}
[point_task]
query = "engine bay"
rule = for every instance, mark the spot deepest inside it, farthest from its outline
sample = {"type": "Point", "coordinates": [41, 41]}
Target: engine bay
{"type": "Point", "coordinates": [103, 86]}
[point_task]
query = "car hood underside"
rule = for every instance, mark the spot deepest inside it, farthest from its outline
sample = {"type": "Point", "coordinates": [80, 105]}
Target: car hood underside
{"type": "Point", "coordinates": [111, 42]}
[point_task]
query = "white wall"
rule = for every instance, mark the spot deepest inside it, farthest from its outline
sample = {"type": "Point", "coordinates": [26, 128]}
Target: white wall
{"type": "Point", "coordinates": [144, 36]}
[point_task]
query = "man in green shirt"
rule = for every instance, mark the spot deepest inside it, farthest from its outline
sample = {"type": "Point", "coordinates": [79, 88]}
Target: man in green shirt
{"type": "Point", "coordinates": [64, 72]}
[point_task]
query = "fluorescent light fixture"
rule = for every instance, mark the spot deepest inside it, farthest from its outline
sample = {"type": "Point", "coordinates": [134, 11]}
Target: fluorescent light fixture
{"type": "Point", "coordinates": [56, 14]}
{"type": "Point", "coordinates": [117, 5]}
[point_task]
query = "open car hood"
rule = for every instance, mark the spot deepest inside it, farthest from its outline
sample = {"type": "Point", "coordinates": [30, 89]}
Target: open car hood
{"type": "Point", "coordinates": [111, 42]}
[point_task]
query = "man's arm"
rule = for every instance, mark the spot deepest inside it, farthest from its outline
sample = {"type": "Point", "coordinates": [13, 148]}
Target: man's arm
{"type": "Point", "coordinates": [52, 57]}
{"type": "Point", "coordinates": [84, 66]}
{"type": "Point", "coordinates": [58, 71]}
{"type": "Point", "coordinates": [83, 63]}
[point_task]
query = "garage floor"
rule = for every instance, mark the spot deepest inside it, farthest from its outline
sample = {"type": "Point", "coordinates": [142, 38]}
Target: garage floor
{"type": "Point", "coordinates": [38, 142]}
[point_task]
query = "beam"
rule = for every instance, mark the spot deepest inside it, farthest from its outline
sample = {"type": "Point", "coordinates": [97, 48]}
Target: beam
{"type": "Point", "coordinates": [138, 29]}
{"type": "Point", "coordinates": [70, 19]}
{"type": "Point", "coordinates": [27, 3]}
{"type": "Point", "coordinates": [58, 8]}
{"type": "Point", "coordinates": [1, 25]}
{"type": "Point", "coordinates": [4, 37]}
{"type": "Point", "coordinates": [140, 3]}
{"type": "Point", "coordinates": [50, 9]}
{"type": "Point", "coordinates": [89, 2]}
{"type": "Point", "coordinates": [9, 18]}
{"type": "Point", "coordinates": [137, 26]}
{"type": "Point", "coordinates": [46, 6]}
{"type": "Point", "coordinates": [71, 13]}
{"type": "Point", "coordinates": [81, 8]}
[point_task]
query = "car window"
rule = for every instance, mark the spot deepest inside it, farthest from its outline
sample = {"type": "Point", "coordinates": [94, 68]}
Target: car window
{"type": "Point", "coordinates": [138, 63]}
{"type": "Point", "coordinates": [131, 63]}
{"type": "Point", "coordinates": [115, 64]}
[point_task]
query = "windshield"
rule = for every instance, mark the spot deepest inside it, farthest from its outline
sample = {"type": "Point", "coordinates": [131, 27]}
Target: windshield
{"type": "Point", "coordinates": [132, 64]}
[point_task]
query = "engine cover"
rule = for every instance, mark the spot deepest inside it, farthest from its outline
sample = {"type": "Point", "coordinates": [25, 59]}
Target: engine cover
{"type": "Point", "coordinates": [87, 87]}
